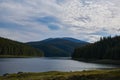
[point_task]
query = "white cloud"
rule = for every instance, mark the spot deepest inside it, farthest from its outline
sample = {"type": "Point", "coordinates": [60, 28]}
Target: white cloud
{"type": "Point", "coordinates": [77, 18]}
{"type": "Point", "coordinates": [92, 17]}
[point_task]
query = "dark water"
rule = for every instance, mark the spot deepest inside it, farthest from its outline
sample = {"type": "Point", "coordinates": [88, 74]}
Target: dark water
{"type": "Point", "coordinates": [14, 65]}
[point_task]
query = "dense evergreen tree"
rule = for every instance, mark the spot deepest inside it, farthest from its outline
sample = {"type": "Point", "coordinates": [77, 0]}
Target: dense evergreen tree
{"type": "Point", "coordinates": [106, 48]}
{"type": "Point", "coordinates": [14, 48]}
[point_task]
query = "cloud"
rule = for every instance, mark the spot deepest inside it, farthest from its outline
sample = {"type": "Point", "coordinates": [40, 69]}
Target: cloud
{"type": "Point", "coordinates": [92, 16]}
{"type": "Point", "coordinates": [83, 19]}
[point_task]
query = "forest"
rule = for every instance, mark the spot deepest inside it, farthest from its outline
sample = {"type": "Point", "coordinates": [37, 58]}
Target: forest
{"type": "Point", "coordinates": [14, 48]}
{"type": "Point", "coordinates": [106, 48]}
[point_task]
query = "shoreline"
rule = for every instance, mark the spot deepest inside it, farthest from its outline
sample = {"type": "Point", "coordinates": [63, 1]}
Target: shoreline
{"type": "Point", "coordinates": [12, 56]}
{"type": "Point", "coordinates": [102, 61]}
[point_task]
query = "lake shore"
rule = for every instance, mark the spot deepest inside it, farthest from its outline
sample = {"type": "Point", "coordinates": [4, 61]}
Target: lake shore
{"type": "Point", "coordinates": [113, 74]}
{"type": "Point", "coordinates": [12, 56]}
{"type": "Point", "coordinates": [102, 61]}
{"type": "Point", "coordinates": [105, 61]}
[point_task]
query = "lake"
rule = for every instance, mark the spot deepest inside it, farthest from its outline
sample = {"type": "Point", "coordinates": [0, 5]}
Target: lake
{"type": "Point", "coordinates": [14, 65]}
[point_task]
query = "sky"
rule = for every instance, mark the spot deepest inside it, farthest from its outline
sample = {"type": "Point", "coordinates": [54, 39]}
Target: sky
{"type": "Point", "coordinates": [34, 20]}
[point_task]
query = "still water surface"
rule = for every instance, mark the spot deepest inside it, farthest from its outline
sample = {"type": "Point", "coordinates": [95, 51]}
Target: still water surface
{"type": "Point", "coordinates": [14, 65]}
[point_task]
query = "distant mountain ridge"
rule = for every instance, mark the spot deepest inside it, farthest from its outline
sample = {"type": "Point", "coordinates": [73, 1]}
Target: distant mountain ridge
{"type": "Point", "coordinates": [13, 48]}
{"type": "Point", "coordinates": [74, 40]}
{"type": "Point", "coordinates": [57, 47]}
{"type": "Point", "coordinates": [55, 39]}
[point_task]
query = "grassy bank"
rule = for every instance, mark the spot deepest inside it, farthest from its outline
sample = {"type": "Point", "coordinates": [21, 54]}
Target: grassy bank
{"type": "Point", "coordinates": [83, 75]}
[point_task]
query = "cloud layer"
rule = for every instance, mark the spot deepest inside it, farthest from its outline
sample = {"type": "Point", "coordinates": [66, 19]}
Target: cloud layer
{"type": "Point", "coordinates": [27, 20]}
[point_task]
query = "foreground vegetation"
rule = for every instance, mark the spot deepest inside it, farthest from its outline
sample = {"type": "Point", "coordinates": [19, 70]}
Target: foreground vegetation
{"type": "Point", "coordinates": [83, 75]}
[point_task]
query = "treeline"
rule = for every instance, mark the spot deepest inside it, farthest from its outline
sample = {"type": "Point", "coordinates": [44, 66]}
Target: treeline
{"type": "Point", "coordinates": [14, 48]}
{"type": "Point", "coordinates": [106, 48]}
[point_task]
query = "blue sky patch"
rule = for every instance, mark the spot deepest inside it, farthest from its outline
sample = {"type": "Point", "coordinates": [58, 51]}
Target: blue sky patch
{"type": "Point", "coordinates": [47, 20]}
{"type": "Point", "coordinates": [53, 27]}
{"type": "Point", "coordinates": [11, 26]}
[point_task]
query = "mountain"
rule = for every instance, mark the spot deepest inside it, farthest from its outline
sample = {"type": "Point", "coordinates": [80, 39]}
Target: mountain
{"type": "Point", "coordinates": [74, 40]}
{"type": "Point", "coordinates": [13, 48]}
{"type": "Point", "coordinates": [106, 48]}
{"type": "Point", "coordinates": [57, 47]}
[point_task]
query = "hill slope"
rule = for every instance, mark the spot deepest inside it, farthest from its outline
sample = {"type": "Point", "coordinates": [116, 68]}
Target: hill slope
{"type": "Point", "coordinates": [14, 48]}
{"type": "Point", "coordinates": [106, 48]}
{"type": "Point", "coordinates": [57, 47]}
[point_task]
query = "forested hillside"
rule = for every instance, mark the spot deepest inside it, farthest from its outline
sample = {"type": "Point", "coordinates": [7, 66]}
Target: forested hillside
{"type": "Point", "coordinates": [106, 48]}
{"type": "Point", "coordinates": [58, 47]}
{"type": "Point", "coordinates": [14, 48]}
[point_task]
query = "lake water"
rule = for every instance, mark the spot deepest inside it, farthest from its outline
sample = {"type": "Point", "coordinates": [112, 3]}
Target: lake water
{"type": "Point", "coordinates": [14, 65]}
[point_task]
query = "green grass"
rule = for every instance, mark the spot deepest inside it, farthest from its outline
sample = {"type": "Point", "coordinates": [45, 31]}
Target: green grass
{"type": "Point", "coordinates": [113, 74]}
